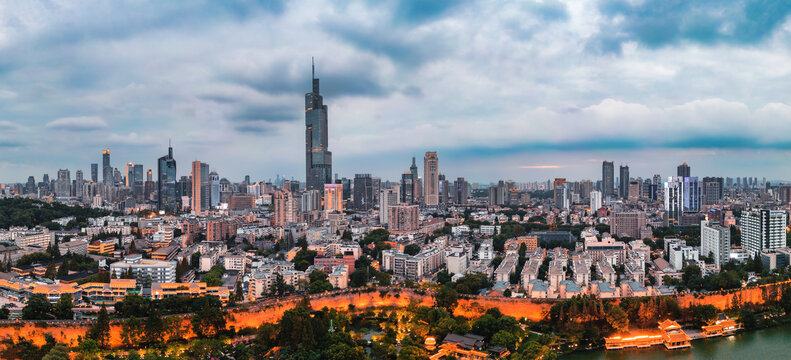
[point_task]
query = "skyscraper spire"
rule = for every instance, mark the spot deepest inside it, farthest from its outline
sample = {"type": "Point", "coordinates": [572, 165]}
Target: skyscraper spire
{"type": "Point", "coordinates": [312, 68]}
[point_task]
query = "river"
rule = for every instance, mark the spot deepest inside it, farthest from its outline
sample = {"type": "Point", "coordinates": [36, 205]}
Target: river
{"type": "Point", "coordinates": [771, 343]}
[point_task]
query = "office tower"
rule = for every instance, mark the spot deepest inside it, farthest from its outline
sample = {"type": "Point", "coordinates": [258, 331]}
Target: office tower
{"type": "Point", "coordinates": [318, 159]}
{"type": "Point", "coordinates": [763, 229]}
{"type": "Point", "coordinates": [214, 183]}
{"type": "Point", "coordinates": [149, 175]}
{"type": "Point", "coordinates": [107, 169]}
{"type": "Point", "coordinates": [681, 195]}
{"type": "Point", "coordinates": [387, 198]}
{"type": "Point", "coordinates": [627, 223]}
{"type": "Point", "coordinates": [444, 190]}
{"type": "Point", "coordinates": [333, 197]}
{"type": "Point", "coordinates": [310, 201]}
{"type": "Point", "coordinates": [347, 188]}
{"type": "Point", "coordinates": [595, 200]}
{"type": "Point", "coordinates": [607, 179]}
{"type": "Point", "coordinates": [363, 192]}
{"type": "Point", "coordinates": [623, 186]}
{"type": "Point", "coordinates": [30, 186]}
{"type": "Point", "coordinates": [45, 185]}
{"type": "Point", "coordinates": [460, 191]}
{"type": "Point", "coordinates": [117, 177]}
{"type": "Point", "coordinates": [200, 187]}
{"type": "Point", "coordinates": [715, 242]}
{"type": "Point", "coordinates": [167, 195]}
{"type": "Point", "coordinates": [247, 179]}
{"type": "Point", "coordinates": [130, 174]}
{"type": "Point", "coordinates": [407, 188]}
{"type": "Point", "coordinates": [63, 184]}
{"type": "Point", "coordinates": [95, 172]}
{"type": "Point", "coordinates": [431, 178]}
{"type": "Point", "coordinates": [683, 170]}
{"type": "Point", "coordinates": [497, 194]}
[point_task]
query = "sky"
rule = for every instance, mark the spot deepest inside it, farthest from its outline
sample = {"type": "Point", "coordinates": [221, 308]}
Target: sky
{"type": "Point", "coordinates": [527, 90]}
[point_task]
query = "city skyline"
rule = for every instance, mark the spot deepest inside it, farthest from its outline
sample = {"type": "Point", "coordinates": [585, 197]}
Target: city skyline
{"type": "Point", "coordinates": [659, 95]}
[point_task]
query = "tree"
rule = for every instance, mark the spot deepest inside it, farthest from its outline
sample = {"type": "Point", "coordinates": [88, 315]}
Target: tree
{"type": "Point", "coordinates": [748, 319]}
{"type": "Point", "coordinates": [704, 314]}
{"type": "Point", "coordinates": [617, 319]}
{"type": "Point", "coordinates": [37, 308]}
{"type": "Point", "coordinates": [51, 271]}
{"type": "Point", "coordinates": [505, 339]}
{"type": "Point", "coordinates": [443, 277]}
{"type": "Point", "coordinates": [785, 300]}
{"type": "Point", "coordinates": [446, 298]}
{"type": "Point", "coordinates": [412, 249]}
{"type": "Point", "coordinates": [209, 321]}
{"type": "Point", "coordinates": [63, 307]}
{"type": "Point", "coordinates": [63, 270]}
{"type": "Point", "coordinates": [131, 332]}
{"type": "Point", "coordinates": [100, 331]}
{"type": "Point", "coordinates": [155, 328]}
{"type": "Point", "coordinates": [58, 352]}
{"type": "Point", "coordinates": [88, 348]}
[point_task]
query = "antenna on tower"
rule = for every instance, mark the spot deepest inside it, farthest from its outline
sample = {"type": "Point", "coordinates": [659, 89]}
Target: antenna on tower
{"type": "Point", "coordinates": [312, 68]}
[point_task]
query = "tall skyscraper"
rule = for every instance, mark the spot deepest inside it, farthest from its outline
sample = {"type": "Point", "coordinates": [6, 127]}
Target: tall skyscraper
{"type": "Point", "coordinates": [363, 192]}
{"type": "Point", "coordinates": [214, 198]}
{"type": "Point", "coordinates": [79, 181]}
{"type": "Point", "coordinates": [95, 172]}
{"type": "Point", "coordinates": [416, 188]}
{"type": "Point", "coordinates": [683, 170]}
{"type": "Point", "coordinates": [107, 169]}
{"type": "Point", "coordinates": [167, 198]}
{"type": "Point", "coordinates": [607, 178]}
{"type": "Point", "coordinates": [431, 178]}
{"type": "Point", "coordinates": [285, 208]}
{"type": "Point", "coordinates": [763, 229]}
{"type": "Point", "coordinates": [130, 174]}
{"type": "Point", "coordinates": [595, 201]}
{"type": "Point", "coordinates": [623, 186]}
{"type": "Point", "coordinates": [318, 159]}
{"type": "Point", "coordinates": [200, 187]}
{"type": "Point", "coordinates": [387, 198]}
{"type": "Point", "coordinates": [682, 194]}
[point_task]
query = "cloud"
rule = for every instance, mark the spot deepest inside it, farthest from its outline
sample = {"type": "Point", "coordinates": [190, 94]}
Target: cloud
{"type": "Point", "coordinates": [7, 94]}
{"type": "Point", "coordinates": [662, 23]}
{"type": "Point", "coordinates": [80, 123]}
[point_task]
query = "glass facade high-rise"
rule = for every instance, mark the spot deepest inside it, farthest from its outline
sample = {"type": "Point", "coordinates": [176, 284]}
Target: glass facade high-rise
{"type": "Point", "coordinates": [607, 178]}
{"type": "Point", "coordinates": [167, 196]}
{"type": "Point", "coordinates": [623, 186]}
{"type": "Point", "coordinates": [318, 159]}
{"type": "Point", "coordinates": [107, 169]}
{"type": "Point", "coordinates": [95, 172]}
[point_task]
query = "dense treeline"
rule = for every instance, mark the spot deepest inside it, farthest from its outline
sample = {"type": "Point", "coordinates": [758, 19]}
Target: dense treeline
{"type": "Point", "coordinates": [29, 212]}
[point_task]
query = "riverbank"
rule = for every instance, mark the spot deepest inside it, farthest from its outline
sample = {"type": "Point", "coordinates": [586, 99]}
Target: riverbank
{"type": "Point", "coordinates": [768, 343]}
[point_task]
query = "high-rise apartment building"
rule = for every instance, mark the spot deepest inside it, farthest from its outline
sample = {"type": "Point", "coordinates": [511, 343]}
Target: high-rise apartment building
{"type": "Point", "coordinates": [285, 208]}
{"type": "Point", "coordinates": [634, 190]}
{"type": "Point", "coordinates": [763, 229]}
{"type": "Point", "coordinates": [595, 200]}
{"type": "Point", "coordinates": [63, 184]}
{"type": "Point", "coordinates": [107, 169]}
{"type": "Point", "coordinates": [403, 218]}
{"type": "Point", "coordinates": [333, 197]}
{"type": "Point", "coordinates": [318, 159]}
{"type": "Point", "coordinates": [387, 198]}
{"type": "Point", "coordinates": [715, 242]}
{"type": "Point", "coordinates": [431, 178]}
{"type": "Point", "coordinates": [167, 194]}
{"type": "Point", "coordinates": [623, 183]}
{"type": "Point", "coordinates": [607, 179]}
